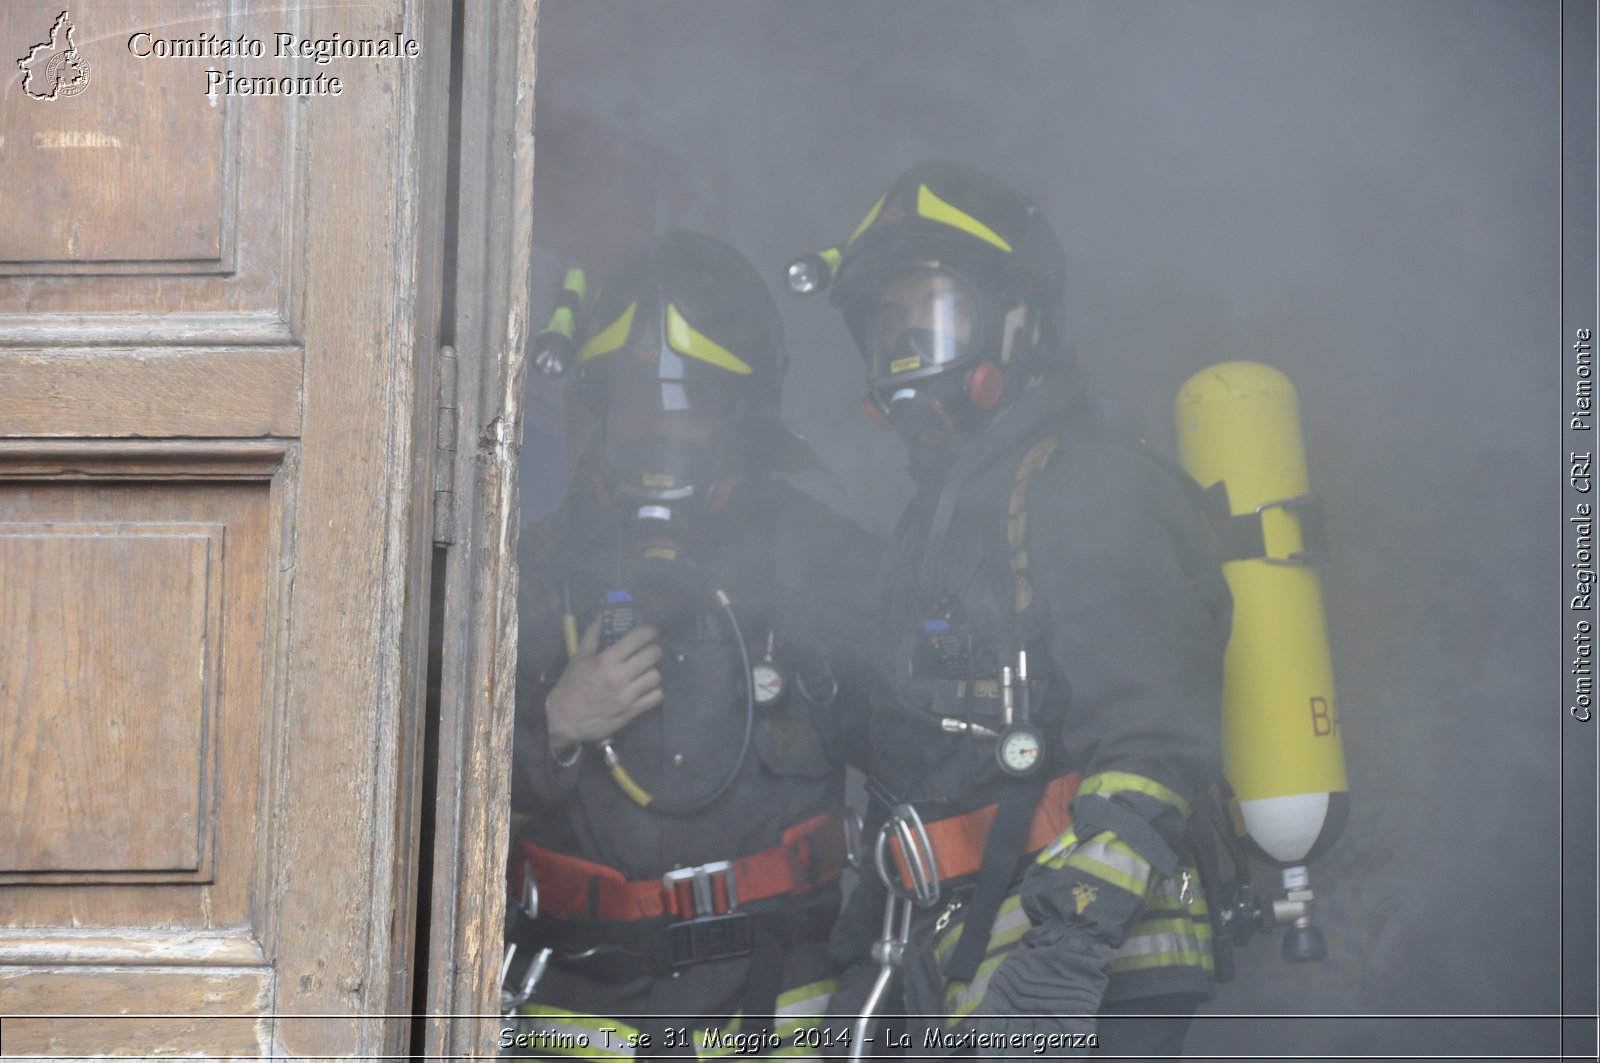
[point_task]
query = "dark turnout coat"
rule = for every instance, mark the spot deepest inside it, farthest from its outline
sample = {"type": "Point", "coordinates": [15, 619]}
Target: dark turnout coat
{"type": "Point", "coordinates": [1055, 529]}
{"type": "Point", "coordinates": [795, 576]}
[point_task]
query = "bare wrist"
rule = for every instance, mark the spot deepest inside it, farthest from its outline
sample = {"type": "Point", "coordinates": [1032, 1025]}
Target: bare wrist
{"type": "Point", "coordinates": [565, 754]}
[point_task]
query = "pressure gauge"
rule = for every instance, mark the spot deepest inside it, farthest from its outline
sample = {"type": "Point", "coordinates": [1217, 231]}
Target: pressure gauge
{"type": "Point", "coordinates": [1020, 749]}
{"type": "Point", "coordinates": [768, 682]}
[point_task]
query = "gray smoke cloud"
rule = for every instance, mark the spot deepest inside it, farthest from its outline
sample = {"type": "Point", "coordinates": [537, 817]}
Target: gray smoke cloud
{"type": "Point", "coordinates": [1363, 194]}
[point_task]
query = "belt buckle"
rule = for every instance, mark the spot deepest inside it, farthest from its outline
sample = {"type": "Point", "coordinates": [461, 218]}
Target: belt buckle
{"type": "Point", "coordinates": [707, 934]}
{"type": "Point", "coordinates": [701, 888]}
{"type": "Point", "coordinates": [709, 937]}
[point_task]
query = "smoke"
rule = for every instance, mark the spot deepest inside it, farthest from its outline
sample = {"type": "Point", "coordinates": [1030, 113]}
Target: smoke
{"type": "Point", "coordinates": [1364, 194]}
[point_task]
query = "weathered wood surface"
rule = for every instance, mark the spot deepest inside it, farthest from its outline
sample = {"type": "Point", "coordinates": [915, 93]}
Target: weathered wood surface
{"type": "Point", "coordinates": [215, 478]}
{"type": "Point", "coordinates": [479, 665]}
{"type": "Point", "coordinates": [221, 1015]}
{"type": "Point", "coordinates": [151, 392]}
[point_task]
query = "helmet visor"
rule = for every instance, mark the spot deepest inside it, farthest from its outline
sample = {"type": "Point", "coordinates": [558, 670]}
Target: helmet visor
{"type": "Point", "coordinates": [922, 320]}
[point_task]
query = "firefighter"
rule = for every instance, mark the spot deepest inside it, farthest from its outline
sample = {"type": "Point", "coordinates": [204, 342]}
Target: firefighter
{"type": "Point", "coordinates": [687, 677]}
{"type": "Point", "coordinates": [1051, 639]}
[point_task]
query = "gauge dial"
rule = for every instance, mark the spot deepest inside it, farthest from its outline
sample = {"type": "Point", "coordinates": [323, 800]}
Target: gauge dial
{"type": "Point", "coordinates": [768, 683]}
{"type": "Point", "coordinates": [1019, 749]}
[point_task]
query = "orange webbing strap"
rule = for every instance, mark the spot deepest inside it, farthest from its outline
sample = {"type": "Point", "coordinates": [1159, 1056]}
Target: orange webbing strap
{"type": "Point", "coordinates": [958, 841]}
{"type": "Point", "coordinates": [811, 855]}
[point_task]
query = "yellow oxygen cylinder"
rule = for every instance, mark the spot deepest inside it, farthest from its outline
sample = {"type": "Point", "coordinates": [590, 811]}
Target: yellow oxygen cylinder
{"type": "Point", "coordinates": [1238, 424]}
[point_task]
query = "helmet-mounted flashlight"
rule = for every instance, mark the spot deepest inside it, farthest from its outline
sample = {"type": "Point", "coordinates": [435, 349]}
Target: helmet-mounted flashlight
{"type": "Point", "coordinates": [554, 346]}
{"type": "Point", "coordinates": [812, 272]}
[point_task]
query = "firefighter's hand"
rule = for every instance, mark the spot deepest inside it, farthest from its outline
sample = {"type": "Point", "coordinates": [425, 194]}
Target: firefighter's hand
{"type": "Point", "coordinates": [601, 691]}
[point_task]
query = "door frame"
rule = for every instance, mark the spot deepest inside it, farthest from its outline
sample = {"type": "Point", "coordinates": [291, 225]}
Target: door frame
{"type": "Point", "coordinates": [480, 520]}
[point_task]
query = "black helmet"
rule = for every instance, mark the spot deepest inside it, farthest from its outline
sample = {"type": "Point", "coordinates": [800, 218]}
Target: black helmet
{"type": "Point", "coordinates": [684, 363]}
{"type": "Point", "coordinates": [952, 287]}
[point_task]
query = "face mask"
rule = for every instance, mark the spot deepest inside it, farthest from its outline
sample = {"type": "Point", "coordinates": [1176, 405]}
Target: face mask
{"type": "Point", "coordinates": [658, 449]}
{"type": "Point", "coordinates": [922, 321]}
{"type": "Point", "coordinates": [655, 469]}
{"type": "Point", "coordinates": [657, 579]}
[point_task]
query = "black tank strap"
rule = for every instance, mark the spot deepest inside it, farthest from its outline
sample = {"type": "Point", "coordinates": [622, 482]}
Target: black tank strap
{"type": "Point", "coordinates": [1008, 835]}
{"type": "Point", "coordinates": [1240, 538]}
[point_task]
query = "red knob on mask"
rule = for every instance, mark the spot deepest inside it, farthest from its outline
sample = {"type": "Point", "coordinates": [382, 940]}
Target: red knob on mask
{"type": "Point", "coordinates": [875, 414]}
{"type": "Point", "coordinates": [985, 384]}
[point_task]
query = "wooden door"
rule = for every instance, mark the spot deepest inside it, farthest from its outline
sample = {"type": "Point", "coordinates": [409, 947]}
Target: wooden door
{"type": "Point", "coordinates": [218, 325]}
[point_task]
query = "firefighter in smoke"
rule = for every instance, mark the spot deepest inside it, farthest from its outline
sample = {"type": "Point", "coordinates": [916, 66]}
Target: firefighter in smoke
{"type": "Point", "coordinates": [1051, 647]}
{"type": "Point", "coordinates": [678, 769]}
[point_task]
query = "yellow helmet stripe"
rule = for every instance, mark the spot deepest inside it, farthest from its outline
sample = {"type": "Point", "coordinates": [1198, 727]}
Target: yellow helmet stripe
{"type": "Point", "coordinates": [932, 207]}
{"type": "Point", "coordinates": [609, 338]}
{"type": "Point", "coordinates": [868, 220]}
{"type": "Point", "coordinates": [683, 338]}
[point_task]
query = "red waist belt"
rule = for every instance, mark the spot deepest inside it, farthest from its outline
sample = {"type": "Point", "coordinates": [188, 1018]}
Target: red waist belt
{"type": "Point", "coordinates": [811, 855]}
{"type": "Point", "coordinates": [958, 841]}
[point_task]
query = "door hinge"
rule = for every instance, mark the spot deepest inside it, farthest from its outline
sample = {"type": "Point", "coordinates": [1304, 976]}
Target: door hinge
{"type": "Point", "coordinates": [444, 458]}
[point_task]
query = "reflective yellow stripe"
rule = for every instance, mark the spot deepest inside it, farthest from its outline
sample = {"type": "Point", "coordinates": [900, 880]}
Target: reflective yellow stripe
{"type": "Point", "coordinates": [933, 208]}
{"type": "Point", "coordinates": [868, 220]}
{"type": "Point", "coordinates": [1003, 937]}
{"type": "Point", "coordinates": [556, 1028]}
{"type": "Point", "coordinates": [1054, 855]}
{"type": "Point", "coordinates": [1165, 942]}
{"type": "Point", "coordinates": [1166, 895]}
{"type": "Point", "coordinates": [1106, 873]}
{"type": "Point", "coordinates": [962, 997]}
{"type": "Point", "coordinates": [1107, 850]}
{"type": "Point", "coordinates": [1150, 944]}
{"type": "Point", "coordinates": [1150, 961]}
{"type": "Point", "coordinates": [1177, 941]}
{"type": "Point", "coordinates": [1113, 782]}
{"type": "Point", "coordinates": [1196, 911]}
{"type": "Point", "coordinates": [684, 339]}
{"type": "Point", "coordinates": [1189, 928]}
{"type": "Point", "coordinates": [832, 256]}
{"type": "Point", "coordinates": [797, 1009]}
{"type": "Point", "coordinates": [556, 1031]}
{"type": "Point", "coordinates": [806, 1001]}
{"type": "Point", "coordinates": [609, 338]}
{"type": "Point", "coordinates": [1010, 923]}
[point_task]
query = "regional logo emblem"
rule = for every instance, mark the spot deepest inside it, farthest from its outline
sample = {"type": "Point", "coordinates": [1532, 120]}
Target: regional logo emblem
{"type": "Point", "coordinates": [54, 68]}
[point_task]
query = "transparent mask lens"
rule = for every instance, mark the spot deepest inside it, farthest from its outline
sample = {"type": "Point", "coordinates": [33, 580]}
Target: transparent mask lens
{"type": "Point", "coordinates": [923, 320]}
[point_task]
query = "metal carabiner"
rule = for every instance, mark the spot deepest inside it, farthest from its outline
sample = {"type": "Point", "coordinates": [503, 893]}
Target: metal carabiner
{"type": "Point", "coordinates": [906, 826]}
{"type": "Point", "coordinates": [512, 999]}
{"type": "Point", "coordinates": [529, 901]}
{"type": "Point", "coordinates": [916, 850]}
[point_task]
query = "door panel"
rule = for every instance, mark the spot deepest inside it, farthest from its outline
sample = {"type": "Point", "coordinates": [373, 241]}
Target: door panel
{"type": "Point", "coordinates": [157, 199]}
{"type": "Point", "coordinates": [109, 778]}
{"type": "Point", "coordinates": [100, 176]}
{"type": "Point", "coordinates": [217, 329]}
{"type": "Point", "coordinates": [151, 391]}
{"type": "Point", "coordinates": [216, 1013]}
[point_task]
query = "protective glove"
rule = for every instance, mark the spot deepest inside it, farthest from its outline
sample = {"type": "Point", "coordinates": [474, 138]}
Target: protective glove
{"type": "Point", "coordinates": [1052, 982]}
